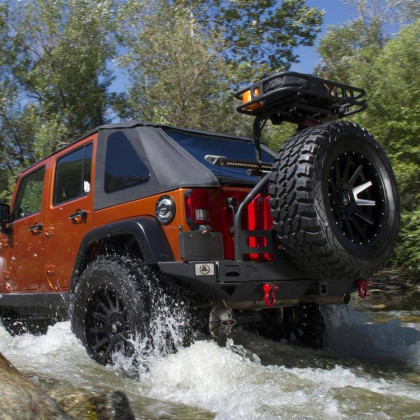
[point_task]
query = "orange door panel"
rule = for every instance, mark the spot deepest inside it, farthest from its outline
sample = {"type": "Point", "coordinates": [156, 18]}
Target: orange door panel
{"type": "Point", "coordinates": [26, 253]}
{"type": "Point", "coordinates": [28, 249]}
{"type": "Point", "coordinates": [70, 213]}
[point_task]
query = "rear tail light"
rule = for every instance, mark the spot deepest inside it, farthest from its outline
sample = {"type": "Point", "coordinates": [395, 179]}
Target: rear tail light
{"type": "Point", "coordinates": [259, 218]}
{"type": "Point", "coordinates": [197, 206]}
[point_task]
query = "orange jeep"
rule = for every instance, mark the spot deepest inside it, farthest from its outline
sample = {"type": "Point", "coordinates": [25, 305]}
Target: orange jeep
{"type": "Point", "coordinates": [260, 238]}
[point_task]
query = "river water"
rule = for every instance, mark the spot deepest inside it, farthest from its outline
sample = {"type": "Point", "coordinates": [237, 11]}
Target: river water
{"type": "Point", "coordinates": [369, 368]}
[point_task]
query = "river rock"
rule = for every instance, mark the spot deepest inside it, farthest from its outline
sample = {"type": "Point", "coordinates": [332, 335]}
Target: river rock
{"type": "Point", "coordinates": [113, 405]}
{"type": "Point", "coordinates": [21, 399]}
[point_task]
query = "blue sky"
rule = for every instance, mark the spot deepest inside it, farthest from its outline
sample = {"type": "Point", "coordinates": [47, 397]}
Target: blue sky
{"type": "Point", "coordinates": [335, 13]}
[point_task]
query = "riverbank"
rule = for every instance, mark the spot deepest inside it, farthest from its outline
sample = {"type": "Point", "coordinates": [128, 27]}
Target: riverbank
{"type": "Point", "coordinates": [392, 290]}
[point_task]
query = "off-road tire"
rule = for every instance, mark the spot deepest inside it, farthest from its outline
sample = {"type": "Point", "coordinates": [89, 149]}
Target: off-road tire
{"type": "Point", "coordinates": [304, 325]}
{"type": "Point", "coordinates": [311, 218]}
{"type": "Point", "coordinates": [109, 277]}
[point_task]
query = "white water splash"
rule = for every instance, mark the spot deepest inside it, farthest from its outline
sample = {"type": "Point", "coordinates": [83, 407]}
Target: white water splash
{"type": "Point", "coordinates": [236, 381]}
{"type": "Point", "coordinates": [237, 387]}
{"type": "Point", "coordinates": [353, 333]}
{"type": "Point", "coordinates": [167, 332]}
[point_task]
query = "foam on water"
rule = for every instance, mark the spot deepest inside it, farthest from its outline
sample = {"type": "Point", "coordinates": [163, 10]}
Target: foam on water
{"type": "Point", "coordinates": [235, 386]}
{"type": "Point", "coordinates": [237, 382]}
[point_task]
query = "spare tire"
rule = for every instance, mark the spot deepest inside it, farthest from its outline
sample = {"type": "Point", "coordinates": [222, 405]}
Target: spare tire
{"type": "Point", "coordinates": [334, 201]}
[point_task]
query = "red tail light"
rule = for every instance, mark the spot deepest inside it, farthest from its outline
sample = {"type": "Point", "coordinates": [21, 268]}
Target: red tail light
{"type": "Point", "coordinates": [197, 206]}
{"type": "Point", "coordinates": [259, 218]}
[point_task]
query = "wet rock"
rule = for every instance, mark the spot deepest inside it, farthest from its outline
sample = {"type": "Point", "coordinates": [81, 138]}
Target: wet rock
{"type": "Point", "coordinates": [103, 406]}
{"type": "Point", "coordinates": [21, 399]}
{"type": "Point", "coordinates": [378, 307]}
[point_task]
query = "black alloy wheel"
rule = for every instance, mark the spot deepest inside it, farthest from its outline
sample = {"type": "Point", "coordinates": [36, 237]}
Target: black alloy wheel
{"type": "Point", "coordinates": [107, 326]}
{"type": "Point", "coordinates": [356, 198]}
{"type": "Point", "coordinates": [111, 308]}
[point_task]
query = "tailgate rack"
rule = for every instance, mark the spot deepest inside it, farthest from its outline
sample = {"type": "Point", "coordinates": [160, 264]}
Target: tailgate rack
{"type": "Point", "coordinates": [300, 99]}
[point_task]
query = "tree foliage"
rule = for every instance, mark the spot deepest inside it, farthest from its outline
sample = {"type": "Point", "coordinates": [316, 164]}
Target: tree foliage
{"type": "Point", "coordinates": [365, 36]}
{"type": "Point", "coordinates": [185, 72]}
{"type": "Point", "coordinates": [259, 32]}
{"type": "Point", "coordinates": [54, 80]}
{"type": "Point", "coordinates": [179, 79]}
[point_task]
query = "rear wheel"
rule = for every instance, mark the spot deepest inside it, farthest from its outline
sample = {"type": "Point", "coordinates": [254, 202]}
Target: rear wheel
{"type": "Point", "coordinates": [304, 324]}
{"type": "Point", "coordinates": [334, 201]}
{"type": "Point", "coordinates": [110, 309]}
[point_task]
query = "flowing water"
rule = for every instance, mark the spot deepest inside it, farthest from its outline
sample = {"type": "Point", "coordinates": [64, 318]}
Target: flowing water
{"type": "Point", "coordinates": [370, 368]}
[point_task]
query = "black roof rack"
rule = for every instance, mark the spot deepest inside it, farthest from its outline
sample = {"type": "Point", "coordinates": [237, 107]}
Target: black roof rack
{"type": "Point", "coordinates": [297, 97]}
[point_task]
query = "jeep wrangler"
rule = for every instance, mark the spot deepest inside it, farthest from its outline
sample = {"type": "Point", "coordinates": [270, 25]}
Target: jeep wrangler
{"type": "Point", "coordinates": [262, 239]}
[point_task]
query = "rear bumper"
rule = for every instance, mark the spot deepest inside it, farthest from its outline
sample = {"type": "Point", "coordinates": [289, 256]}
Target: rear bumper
{"type": "Point", "coordinates": [242, 281]}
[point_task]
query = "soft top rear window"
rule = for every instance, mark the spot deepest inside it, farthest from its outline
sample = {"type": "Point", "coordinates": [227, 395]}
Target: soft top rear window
{"type": "Point", "coordinates": [200, 145]}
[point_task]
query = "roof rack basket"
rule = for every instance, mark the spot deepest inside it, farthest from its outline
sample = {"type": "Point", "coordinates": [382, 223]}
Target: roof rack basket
{"type": "Point", "coordinates": [300, 99]}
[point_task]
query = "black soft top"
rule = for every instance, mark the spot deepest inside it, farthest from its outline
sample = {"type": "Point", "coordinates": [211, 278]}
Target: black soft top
{"type": "Point", "coordinates": [133, 124]}
{"type": "Point", "coordinates": [171, 165]}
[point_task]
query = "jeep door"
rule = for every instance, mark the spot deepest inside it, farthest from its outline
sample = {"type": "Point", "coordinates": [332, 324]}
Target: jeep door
{"type": "Point", "coordinates": [26, 253]}
{"type": "Point", "coordinates": [70, 214]}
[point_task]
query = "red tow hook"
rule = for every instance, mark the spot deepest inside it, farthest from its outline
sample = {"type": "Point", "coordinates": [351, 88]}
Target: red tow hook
{"type": "Point", "coordinates": [269, 290]}
{"type": "Point", "coordinates": [363, 288]}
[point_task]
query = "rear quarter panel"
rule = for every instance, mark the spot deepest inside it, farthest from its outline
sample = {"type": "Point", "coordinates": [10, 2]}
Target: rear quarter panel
{"type": "Point", "coordinates": [146, 207]}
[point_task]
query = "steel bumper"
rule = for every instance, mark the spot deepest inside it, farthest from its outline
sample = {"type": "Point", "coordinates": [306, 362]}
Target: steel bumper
{"type": "Point", "coordinates": [243, 280]}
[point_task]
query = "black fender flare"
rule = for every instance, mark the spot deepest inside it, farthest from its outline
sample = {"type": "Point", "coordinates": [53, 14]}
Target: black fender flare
{"type": "Point", "coordinates": [147, 232]}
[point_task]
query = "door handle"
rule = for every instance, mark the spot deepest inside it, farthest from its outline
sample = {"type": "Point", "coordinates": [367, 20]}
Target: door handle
{"type": "Point", "coordinates": [78, 217]}
{"type": "Point", "coordinates": [36, 229]}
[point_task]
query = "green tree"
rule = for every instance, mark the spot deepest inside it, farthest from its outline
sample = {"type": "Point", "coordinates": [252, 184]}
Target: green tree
{"type": "Point", "coordinates": [185, 59]}
{"type": "Point", "coordinates": [394, 116]}
{"type": "Point", "coordinates": [54, 78]}
{"type": "Point", "coordinates": [363, 38]}
{"type": "Point", "coordinates": [177, 79]}
{"type": "Point", "coordinates": [61, 50]}
{"type": "Point", "coordinates": [261, 33]}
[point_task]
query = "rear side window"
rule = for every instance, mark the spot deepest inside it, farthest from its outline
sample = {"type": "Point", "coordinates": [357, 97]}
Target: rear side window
{"type": "Point", "coordinates": [123, 166]}
{"type": "Point", "coordinates": [200, 145]}
{"type": "Point", "coordinates": [73, 175]}
{"type": "Point", "coordinates": [29, 197]}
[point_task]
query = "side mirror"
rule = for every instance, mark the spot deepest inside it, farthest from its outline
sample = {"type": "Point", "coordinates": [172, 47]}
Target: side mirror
{"type": "Point", "coordinates": [4, 217]}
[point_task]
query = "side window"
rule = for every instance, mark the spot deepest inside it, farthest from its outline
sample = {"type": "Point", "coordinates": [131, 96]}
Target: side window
{"type": "Point", "coordinates": [29, 197]}
{"type": "Point", "coordinates": [73, 175]}
{"type": "Point", "coordinates": [123, 166]}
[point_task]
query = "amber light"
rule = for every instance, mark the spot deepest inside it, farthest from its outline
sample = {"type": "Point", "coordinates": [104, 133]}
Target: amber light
{"type": "Point", "coordinates": [247, 97]}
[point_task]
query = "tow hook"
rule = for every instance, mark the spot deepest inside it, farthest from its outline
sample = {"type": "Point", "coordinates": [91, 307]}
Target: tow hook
{"type": "Point", "coordinates": [270, 290]}
{"type": "Point", "coordinates": [363, 288]}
